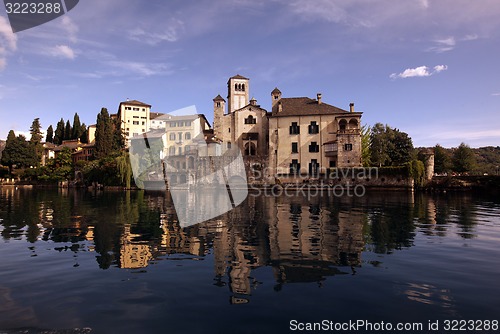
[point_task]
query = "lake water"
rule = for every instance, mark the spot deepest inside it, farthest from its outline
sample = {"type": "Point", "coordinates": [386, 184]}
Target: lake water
{"type": "Point", "coordinates": [120, 263]}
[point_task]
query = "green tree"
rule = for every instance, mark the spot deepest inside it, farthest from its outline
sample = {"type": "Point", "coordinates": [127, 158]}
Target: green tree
{"type": "Point", "coordinates": [463, 159]}
{"type": "Point", "coordinates": [50, 135]}
{"type": "Point", "coordinates": [118, 138]}
{"type": "Point", "coordinates": [442, 160]}
{"type": "Point", "coordinates": [9, 154]}
{"type": "Point", "coordinates": [68, 131]}
{"type": "Point", "coordinates": [77, 127]}
{"type": "Point", "coordinates": [18, 152]}
{"type": "Point", "coordinates": [124, 169]}
{"type": "Point", "coordinates": [400, 147]}
{"type": "Point", "coordinates": [84, 134]}
{"type": "Point", "coordinates": [365, 145]}
{"type": "Point", "coordinates": [36, 139]}
{"type": "Point", "coordinates": [104, 135]}
{"type": "Point", "coordinates": [389, 147]}
{"type": "Point", "coordinates": [59, 133]}
{"type": "Point", "coordinates": [378, 145]}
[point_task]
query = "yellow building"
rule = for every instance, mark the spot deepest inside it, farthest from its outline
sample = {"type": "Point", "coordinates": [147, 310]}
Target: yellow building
{"type": "Point", "coordinates": [134, 118]}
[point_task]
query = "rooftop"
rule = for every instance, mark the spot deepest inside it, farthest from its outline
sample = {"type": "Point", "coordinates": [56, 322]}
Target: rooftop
{"type": "Point", "coordinates": [304, 106]}
{"type": "Point", "coordinates": [135, 103]}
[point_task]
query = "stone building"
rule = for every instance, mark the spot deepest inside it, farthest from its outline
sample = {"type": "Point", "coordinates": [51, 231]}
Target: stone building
{"type": "Point", "coordinates": [307, 136]}
{"type": "Point", "coordinates": [244, 123]}
{"type": "Point", "coordinates": [300, 136]}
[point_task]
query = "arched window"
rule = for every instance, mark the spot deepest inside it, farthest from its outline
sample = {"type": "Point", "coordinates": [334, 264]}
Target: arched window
{"type": "Point", "coordinates": [342, 125]}
{"type": "Point", "coordinates": [171, 150]}
{"type": "Point", "coordinates": [243, 87]}
{"type": "Point", "coordinates": [250, 120]}
{"type": "Point", "coordinates": [353, 124]}
{"type": "Point", "coordinates": [235, 86]}
{"type": "Point", "coordinates": [180, 150]}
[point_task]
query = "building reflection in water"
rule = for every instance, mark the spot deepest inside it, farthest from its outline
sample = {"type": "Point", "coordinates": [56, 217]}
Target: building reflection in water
{"type": "Point", "coordinates": [302, 240]}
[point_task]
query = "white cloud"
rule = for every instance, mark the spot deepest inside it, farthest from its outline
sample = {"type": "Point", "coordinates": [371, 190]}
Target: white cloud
{"type": "Point", "coordinates": [495, 94]}
{"type": "Point", "coordinates": [421, 71]}
{"type": "Point", "coordinates": [424, 3]}
{"type": "Point", "coordinates": [61, 51]}
{"type": "Point", "coordinates": [141, 68]}
{"type": "Point", "coordinates": [168, 34]}
{"type": "Point", "coordinates": [70, 27]}
{"type": "Point", "coordinates": [324, 9]}
{"type": "Point", "coordinates": [470, 37]}
{"type": "Point", "coordinates": [8, 41]}
{"type": "Point", "coordinates": [440, 68]}
{"type": "Point", "coordinates": [443, 45]}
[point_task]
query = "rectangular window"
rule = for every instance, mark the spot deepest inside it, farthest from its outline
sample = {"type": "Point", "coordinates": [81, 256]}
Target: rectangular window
{"type": "Point", "coordinates": [187, 123]}
{"type": "Point", "coordinates": [135, 122]}
{"type": "Point", "coordinates": [294, 128]}
{"type": "Point", "coordinates": [172, 125]}
{"type": "Point", "coordinates": [172, 136]}
{"type": "Point", "coordinates": [347, 147]}
{"type": "Point", "coordinates": [313, 128]}
{"type": "Point", "coordinates": [128, 108]}
{"type": "Point", "coordinates": [135, 116]}
{"type": "Point", "coordinates": [314, 147]}
{"type": "Point", "coordinates": [229, 145]}
{"type": "Point", "coordinates": [143, 123]}
{"type": "Point", "coordinates": [142, 117]}
{"type": "Point", "coordinates": [135, 109]}
{"type": "Point", "coordinates": [295, 147]}
{"type": "Point", "coordinates": [295, 167]}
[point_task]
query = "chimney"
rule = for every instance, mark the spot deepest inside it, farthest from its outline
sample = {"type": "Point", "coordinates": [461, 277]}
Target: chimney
{"type": "Point", "coordinates": [318, 96]}
{"type": "Point", "coordinates": [351, 107]}
{"type": "Point", "coordinates": [280, 107]}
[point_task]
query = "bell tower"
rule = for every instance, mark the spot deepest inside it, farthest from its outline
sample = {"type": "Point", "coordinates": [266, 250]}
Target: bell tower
{"type": "Point", "coordinates": [237, 92]}
{"type": "Point", "coordinates": [219, 111]}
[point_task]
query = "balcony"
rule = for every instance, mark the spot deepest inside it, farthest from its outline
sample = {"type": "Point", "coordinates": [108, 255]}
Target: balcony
{"type": "Point", "coordinates": [348, 132]}
{"type": "Point", "coordinates": [331, 149]}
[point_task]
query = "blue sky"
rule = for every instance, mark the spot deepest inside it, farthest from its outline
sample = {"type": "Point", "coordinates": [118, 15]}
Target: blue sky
{"type": "Point", "coordinates": [427, 67]}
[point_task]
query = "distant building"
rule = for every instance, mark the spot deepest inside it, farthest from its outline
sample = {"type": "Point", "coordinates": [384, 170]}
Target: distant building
{"type": "Point", "coordinates": [134, 117]}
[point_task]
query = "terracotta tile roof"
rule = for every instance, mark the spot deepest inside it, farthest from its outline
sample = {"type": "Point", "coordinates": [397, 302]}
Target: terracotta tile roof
{"type": "Point", "coordinates": [303, 106]}
{"type": "Point", "coordinates": [153, 115]}
{"type": "Point", "coordinates": [237, 76]}
{"type": "Point", "coordinates": [135, 103]}
{"type": "Point", "coordinates": [219, 98]}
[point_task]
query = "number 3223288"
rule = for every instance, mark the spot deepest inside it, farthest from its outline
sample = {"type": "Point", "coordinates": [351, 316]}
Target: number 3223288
{"type": "Point", "coordinates": [33, 8]}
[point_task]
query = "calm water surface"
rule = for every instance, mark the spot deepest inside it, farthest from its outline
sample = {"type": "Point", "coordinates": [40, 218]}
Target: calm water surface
{"type": "Point", "coordinates": [120, 263]}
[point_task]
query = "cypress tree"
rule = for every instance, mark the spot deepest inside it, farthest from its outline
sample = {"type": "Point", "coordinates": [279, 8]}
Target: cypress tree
{"type": "Point", "coordinates": [59, 134]}
{"type": "Point", "coordinates": [103, 135]}
{"type": "Point", "coordinates": [50, 135]}
{"type": "Point", "coordinates": [67, 131]}
{"type": "Point", "coordinates": [36, 139]}
{"type": "Point", "coordinates": [77, 127]}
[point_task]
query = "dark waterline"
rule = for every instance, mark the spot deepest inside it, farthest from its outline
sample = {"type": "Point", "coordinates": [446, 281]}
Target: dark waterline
{"type": "Point", "coordinates": [120, 263]}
